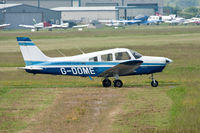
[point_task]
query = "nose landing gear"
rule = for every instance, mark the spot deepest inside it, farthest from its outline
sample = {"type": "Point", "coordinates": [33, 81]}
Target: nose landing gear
{"type": "Point", "coordinates": [154, 82]}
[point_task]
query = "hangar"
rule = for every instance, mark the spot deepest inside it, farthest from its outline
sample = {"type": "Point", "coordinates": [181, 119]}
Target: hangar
{"type": "Point", "coordinates": [16, 14]}
{"type": "Point", "coordinates": [87, 14]}
{"type": "Point", "coordinates": [145, 7]}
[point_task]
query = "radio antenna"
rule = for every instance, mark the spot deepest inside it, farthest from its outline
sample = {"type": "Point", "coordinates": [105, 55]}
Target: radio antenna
{"type": "Point", "coordinates": [61, 53]}
{"type": "Point", "coordinates": [80, 50]}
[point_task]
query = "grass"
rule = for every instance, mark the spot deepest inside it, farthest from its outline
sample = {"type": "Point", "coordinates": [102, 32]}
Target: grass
{"type": "Point", "coordinates": [145, 110]}
{"type": "Point", "coordinates": [36, 103]}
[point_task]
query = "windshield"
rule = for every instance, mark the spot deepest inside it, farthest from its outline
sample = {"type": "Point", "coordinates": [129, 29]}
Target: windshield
{"type": "Point", "coordinates": [136, 54]}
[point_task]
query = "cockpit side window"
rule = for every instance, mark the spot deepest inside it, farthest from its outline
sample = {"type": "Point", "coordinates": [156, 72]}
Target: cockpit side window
{"type": "Point", "coordinates": [93, 59]}
{"type": "Point", "coordinates": [122, 56]}
{"type": "Point", "coordinates": [107, 57]}
{"type": "Point", "coordinates": [136, 54]}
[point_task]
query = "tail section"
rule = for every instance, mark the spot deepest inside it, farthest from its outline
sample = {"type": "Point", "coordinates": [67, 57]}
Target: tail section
{"type": "Point", "coordinates": [31, 53]}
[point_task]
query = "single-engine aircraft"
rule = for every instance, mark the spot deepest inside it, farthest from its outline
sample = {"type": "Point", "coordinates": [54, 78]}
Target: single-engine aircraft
{"type": "Point", "coordinates": [107, 63]}
{"type": "Point", "coordinates": [45, 25]}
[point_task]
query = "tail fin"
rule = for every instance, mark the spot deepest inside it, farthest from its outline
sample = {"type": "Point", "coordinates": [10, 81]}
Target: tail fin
{"type": "Point", "coordinates": [31, 53]}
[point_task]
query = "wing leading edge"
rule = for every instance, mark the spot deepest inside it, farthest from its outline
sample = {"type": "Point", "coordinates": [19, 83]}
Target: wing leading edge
{"type": "Point", "coordinates": [122, 68]}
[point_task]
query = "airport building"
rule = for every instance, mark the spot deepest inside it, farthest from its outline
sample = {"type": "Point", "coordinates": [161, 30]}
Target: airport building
{"type": "Point", "coordinates": [78, 10]}
{"type": "Point", "coordinates": [129, 8]}
{"type": "Point", "coordinates": [87, 14]}
{"type": "Point", "coordinates": [16, 14]}
{"type": "Point", "coordinates": [135, 7]}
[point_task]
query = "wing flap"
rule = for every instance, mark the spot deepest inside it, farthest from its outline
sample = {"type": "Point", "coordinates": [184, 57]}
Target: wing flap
{"type": "Point", "coordinates": [122, 68]}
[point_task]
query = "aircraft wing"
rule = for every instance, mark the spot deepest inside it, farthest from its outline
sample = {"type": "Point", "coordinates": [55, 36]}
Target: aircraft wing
{"type": "Point", "coordinates": [80, 26]}
{"type": "Point", "coordinates": [122, 68]}
{"type": "Point", "coordinates": [129, 21]}
{"type": "Point", "coordinates": [107, 21]}
{"type": "Point", "coordinates": [65, 25]}
{"type": "Point", "coordinates": [4, 25]}
{"type": "Point", "coordinates": [27, 26]}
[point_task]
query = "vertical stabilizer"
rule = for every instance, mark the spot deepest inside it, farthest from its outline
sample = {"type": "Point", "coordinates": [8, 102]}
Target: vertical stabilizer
{"type": "Point", "coordinates": [31, 53]}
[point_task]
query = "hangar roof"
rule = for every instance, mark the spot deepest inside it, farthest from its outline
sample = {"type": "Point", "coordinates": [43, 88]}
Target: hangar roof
{"type": "Point", "coordinates": [2, 6]}
{"type": "Point", "coordinates": [106, 8]}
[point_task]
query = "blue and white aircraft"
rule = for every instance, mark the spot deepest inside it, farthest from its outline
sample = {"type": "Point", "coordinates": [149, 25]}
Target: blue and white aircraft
{"type": "Point", "coordinates": [107, 63]}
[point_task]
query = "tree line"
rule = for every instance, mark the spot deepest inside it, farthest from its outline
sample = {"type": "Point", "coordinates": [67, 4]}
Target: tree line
{"type": "Point", "coordinates": [182, 8]}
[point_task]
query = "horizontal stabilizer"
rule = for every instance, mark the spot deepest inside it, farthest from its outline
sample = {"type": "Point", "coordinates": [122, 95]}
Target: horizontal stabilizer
{"type": "Point", "coordinates": [30, 68]}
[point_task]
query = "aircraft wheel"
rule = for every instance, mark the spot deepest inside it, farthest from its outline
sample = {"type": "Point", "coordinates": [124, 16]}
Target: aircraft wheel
{"type": "Point", "coordinates": [118, 83]}
{"type": "Point", "coordinates": [154, 83]}
{"type": "Point", "coordinates": [106, 83]}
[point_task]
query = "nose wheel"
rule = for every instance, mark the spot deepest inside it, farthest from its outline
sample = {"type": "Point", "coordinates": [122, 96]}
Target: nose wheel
{"type": "Point", "coordinates": [154, 83]}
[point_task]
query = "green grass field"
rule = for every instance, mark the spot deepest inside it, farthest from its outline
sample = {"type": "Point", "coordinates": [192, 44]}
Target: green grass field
{"type": "Point", "coordinates": [47, 103]}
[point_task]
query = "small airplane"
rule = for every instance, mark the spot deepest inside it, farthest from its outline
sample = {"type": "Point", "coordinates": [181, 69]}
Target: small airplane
{"type": "Point", "coordinates": [118, 23]}
{"type": "Point", "coordinates": [176, 21]}
{"type": "Point", "coordinates": [192, 21]}
{"type": "Point", "coordinates": [44, 25]}
{"type": "Point", "coordinates": [145, 20]}
{"type": "Point", "coordinates": [4, 25]}
{"type": "Point", "coordinates": [107, 63]}
{"type": "Point", "coordinates": [155, 20]}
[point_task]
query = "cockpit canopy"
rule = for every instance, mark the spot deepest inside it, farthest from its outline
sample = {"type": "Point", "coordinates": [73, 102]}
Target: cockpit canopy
{"type": "Point", "coordinates": [116, 55]}
{"type": "Point", "coordinates": [136, 54]}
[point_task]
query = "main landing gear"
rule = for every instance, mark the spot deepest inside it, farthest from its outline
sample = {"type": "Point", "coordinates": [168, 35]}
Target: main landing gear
{"type": "Point", "coordinates": [107, 83]}
{"type": "Point", "coordinates": [154, 83]}
{"type": "Point", "coordinates": [118, 83]}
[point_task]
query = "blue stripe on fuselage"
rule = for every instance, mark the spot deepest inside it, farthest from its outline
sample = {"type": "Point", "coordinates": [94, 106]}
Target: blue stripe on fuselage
{"type": "Point", "coordinates": [89, 68]}
{"type": "Point", "coordinates": [64, 63]}
{"type": "Point", "coordinates": [48, 63]}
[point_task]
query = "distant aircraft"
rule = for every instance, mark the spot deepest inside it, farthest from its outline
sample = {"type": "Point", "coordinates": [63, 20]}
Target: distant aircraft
{"type": "Point", "coordinates": [44, 25]}
{"type": "Point", "coordinates": [192, 21]}
{"type": "Point", "coordinates": [118, 23]}
{"type": "Point", "coordinates": [176, 21]}
{"type": "Point", "coordinates": [107, 63]}
{"type": "Point", "coordinates": [155, 20]}
{"type": "Point", "coordinates": [145, 20]}
{"type": "Point", "coordinates": [4, 25]}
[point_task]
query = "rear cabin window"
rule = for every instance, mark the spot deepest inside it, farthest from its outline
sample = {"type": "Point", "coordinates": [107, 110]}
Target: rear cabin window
{"type": "Point", "coordinates": [93, 59]}
{"type": "Point", "coordinates": [107, 57]}
{"type": "Point", "coordinates": [122, 56]}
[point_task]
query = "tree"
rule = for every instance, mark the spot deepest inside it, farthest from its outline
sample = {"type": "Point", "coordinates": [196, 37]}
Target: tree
{"type": "Point", "coordinates": [187, 3]}
{"type": "Point", "coordinates": [171, 10]}
{"type": "Point", "coordinates": [190, 12]}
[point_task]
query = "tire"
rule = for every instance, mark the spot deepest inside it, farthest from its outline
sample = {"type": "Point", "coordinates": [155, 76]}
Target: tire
{"type": "Point", "coordinates": [154, 83]}
{"type": "Point", "coordinates": [106, 83]}
{"type": "Point", "coordinates": [118, 83]}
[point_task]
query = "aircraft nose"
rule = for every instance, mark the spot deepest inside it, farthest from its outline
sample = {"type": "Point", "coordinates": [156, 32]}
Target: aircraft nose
{"type": "Point", "coordinates": [168, 61]}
